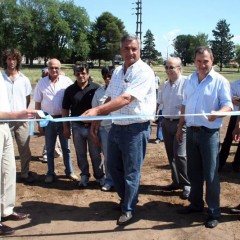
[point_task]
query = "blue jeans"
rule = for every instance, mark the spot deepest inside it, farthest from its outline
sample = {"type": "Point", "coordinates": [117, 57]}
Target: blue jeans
{"type": "Point", "coordinates": [159, 127]}
{"type": "Point", "coordinates": [82, 139]}
{"type": "Point", "coordinates": [51, 131]}
{"type": "Point", "coordinates": [126, 152]}
{"type": "Point", "coordinates": [103, 134]}
{"type": "Point", "coordinates": [203, 161]}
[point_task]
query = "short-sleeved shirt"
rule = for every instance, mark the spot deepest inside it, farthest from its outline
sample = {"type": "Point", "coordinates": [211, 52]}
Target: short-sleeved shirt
{"type": "Point", "coordinates": [79, 100]}
{"type": "Point", "coordinates": [99, 98]}
{"type": "Point", "coordinates": [51, 95]}
{"type": "Point", "coordinates": [139, 82]}
{"type": "Point", "coordinates": [4, 106]}
{"type": "Point", "coordinates": [171, 96]}
{"type": "Point", "coordinates": [211, 94]}
{"type": "Point", "coordinates": [17, 91]}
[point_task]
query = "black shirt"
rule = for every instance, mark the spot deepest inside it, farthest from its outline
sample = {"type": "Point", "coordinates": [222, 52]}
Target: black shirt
{"type": "Point", "coordinates": [79, 100]}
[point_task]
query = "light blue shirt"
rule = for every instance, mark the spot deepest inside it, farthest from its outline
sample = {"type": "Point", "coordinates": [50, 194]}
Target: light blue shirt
{"type": "Point", "coordinates": [211, 94]}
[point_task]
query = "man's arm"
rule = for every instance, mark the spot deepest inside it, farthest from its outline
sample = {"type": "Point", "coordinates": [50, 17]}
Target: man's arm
{"type": "Point", "coordinates": [28, 100]}
{"type": "Point", "coordinates": [66, 125]}
{"type": "Point", "coordinates": [24, 114]}
{"type": "Point", "coordinates": [110, 106]}
{"type": "Point", "coordinates": [236, 131]}
{"type": "Point", "coordinates": [179, 132]}
{"type": "Point", "coordinates": [213, 117]}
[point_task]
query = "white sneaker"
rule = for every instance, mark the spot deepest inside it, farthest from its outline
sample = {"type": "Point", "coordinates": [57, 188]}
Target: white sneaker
{"type": "Point", "coordinates": [84, 181]}
{"type": "Point", "coordinates": [44, 158]}
{"type": "Point", "coordinates": [106, 187]}
{"type": "Point", "coordinates": [101, 181]}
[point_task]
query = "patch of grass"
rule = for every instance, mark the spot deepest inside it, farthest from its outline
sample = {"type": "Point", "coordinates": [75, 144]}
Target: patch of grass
{"type": "Point", "coordinates": [34, 73]}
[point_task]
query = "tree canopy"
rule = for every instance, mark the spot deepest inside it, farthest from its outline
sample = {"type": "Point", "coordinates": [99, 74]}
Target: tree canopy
{"type": "Point", "coordinates": [222, 45]}
{"type": "Point", "coordinates": [149, 52]}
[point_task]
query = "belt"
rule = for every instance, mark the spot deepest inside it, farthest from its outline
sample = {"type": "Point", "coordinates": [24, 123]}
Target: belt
{"type": "Point", "coordinates": [206, 129]}
{"type": "Point", "coordinates": [85, 124]}
{"type": "Point", "coordinates": [172, 119]}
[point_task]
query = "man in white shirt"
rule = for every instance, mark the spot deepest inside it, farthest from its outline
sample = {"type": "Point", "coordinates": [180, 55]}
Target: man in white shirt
{"type": "Point", "coordinates": [48, 96]}
{"type": "Point", "coordinates": [131, 91]}
{"type": "Point", "coordinates": [7, 162]}
{"type": "Point", "coordinates": [19, 90]}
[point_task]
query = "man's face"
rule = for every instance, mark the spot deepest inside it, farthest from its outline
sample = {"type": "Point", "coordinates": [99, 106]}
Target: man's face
{"type": "Point", "coordinates": [130, 52]}
{"type": "Point", "coordinates": [54, 69]}
{"type": "Point", "coordinates": [203, 63]}
{"type": "Point", "coordinates": [82, 77]}
{"type": "Point", "coordinates": [107, 78]}
{"type": "Point", "coordinates": [11, 62]}
{"type": "Point", "coordinates": [173, 70]}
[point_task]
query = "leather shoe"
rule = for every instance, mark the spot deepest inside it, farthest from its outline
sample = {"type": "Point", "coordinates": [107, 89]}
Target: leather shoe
{"type": "Point", "coordinates": [124, 219]}
{"type": "Point", "coordinates": [188, 210]}
{"type": "Point", "coordinates": [211, 223]}
{"type": "Point", "coordinates": [235, 211]}
{"type": "Point", "coordinates": [169, 188]}
{"type": "Point", "coordinates": [5, 230]}
{"type": "Point", "coordinates": [15, 217]}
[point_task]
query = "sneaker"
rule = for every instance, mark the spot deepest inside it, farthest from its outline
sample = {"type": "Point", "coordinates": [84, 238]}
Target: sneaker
{"type": "Point", "coordinates": [84, 181]}
{"type": "Point", "coordinates": [49, 179]}
{"type": "Point", "coordinates": [73, 177]}
{"type": "Point", "coordinates": [106, 187]}
{"type": "Point", "coordinates": [101, 181]}
{"type": "Point", "coordinates": [44, 159]}
{"type": "Point", "coordinates": [157, 141]}
{"type": "Point", "coordinates": [125, 219]}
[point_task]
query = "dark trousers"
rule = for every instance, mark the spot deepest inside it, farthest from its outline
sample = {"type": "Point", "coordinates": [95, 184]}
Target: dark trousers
{"type": "Point", "coordinates": [226, 145]}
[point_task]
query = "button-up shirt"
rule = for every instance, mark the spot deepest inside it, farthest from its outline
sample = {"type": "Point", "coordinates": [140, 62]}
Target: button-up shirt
{"type": "Point", "coordinates": [171, 96]}
{"type": "Point", "coordinates": [17, 90]}
{"type": "Point", "coordinates": [139, 82]}
{"type": "Point", "coordinates": [211, 94]}
{"type": "Point", "coordinates": [51, 95]}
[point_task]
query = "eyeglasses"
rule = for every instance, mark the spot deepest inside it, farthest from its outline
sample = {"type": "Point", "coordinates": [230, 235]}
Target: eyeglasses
{"type": "Point", "coordinates": [170, 67]}
{"type": "Point", "coordinates": [54, 68]}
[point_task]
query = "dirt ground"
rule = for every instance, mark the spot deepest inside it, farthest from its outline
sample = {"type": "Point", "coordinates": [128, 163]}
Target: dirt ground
{"type": "Point", "coordinates": [62, 211]}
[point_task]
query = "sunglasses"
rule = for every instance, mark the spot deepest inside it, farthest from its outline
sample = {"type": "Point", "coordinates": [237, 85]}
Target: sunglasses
{"type": "Point", "coordinates": [54, 68]}
{"type": "Point", "coordinates": [170, 67]}
{"type": "Point", "coordinates": [107, 76]}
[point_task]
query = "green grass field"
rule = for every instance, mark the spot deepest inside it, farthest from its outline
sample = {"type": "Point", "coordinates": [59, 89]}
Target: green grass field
{"type": "Point", "coordinates": [34, 73]}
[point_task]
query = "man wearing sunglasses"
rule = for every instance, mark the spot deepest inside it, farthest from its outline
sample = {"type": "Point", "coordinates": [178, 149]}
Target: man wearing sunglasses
{"type": "Point", "coordinates": [48, 96]}
{"type": "Point", "coordinates": [171, 96]}
{"type": "Point", "coordinates": [77, 99]}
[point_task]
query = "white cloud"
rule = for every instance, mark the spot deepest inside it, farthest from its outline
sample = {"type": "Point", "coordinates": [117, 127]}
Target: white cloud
{"type": "Point", "coordinates": [169, 36]}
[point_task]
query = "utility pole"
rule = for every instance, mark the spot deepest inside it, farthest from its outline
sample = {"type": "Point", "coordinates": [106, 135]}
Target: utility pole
{"type": "Point", "coordinates": [139, 19]}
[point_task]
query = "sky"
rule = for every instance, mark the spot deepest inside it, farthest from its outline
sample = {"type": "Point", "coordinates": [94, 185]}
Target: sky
{"type": "Point", "coordinates": [168, 19]}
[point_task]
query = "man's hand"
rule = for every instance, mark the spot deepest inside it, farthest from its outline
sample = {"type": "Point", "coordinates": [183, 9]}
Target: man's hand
{"type": "Point", "coordinates": [94, 132]}
{"type": "Point", "coordinates": [236, 134]}
{"type": "Point", "coordinates": [67, 132]}
{"type": "Point", "coordinates": [90, 112]}
{"type": "Point", "coordinates": [179, 134]}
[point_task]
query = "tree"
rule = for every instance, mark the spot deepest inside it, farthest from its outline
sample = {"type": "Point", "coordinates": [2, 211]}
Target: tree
{"type": "Point", "coordinates": [237, 55]}
{"type": "Point", "coordinates": [222, 46]}
{"type": "Point", "coordinates": [183, 45]}
{"type": "Point", "coordinates": [108, 30]}
{"type": "Point", "coordinates": [8, 20]}
{"type": "Point", "coordinates": [149, 53]}
{"type": "Point", "coordinates": [49, 28]}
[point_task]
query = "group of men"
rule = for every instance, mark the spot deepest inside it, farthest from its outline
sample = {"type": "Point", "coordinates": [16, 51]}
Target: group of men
{"type": "Point", "coordinates": [192, 111]}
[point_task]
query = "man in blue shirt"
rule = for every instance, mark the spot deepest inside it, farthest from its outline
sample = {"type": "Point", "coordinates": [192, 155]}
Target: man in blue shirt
{"type": "Point", "coordinates": [207, 93]}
